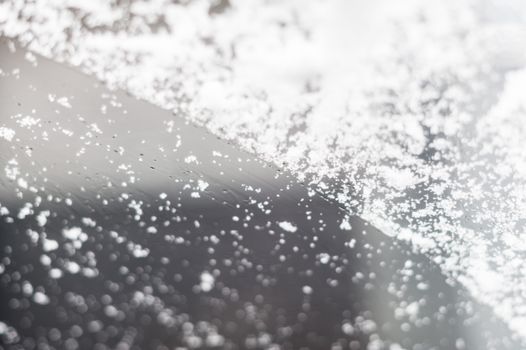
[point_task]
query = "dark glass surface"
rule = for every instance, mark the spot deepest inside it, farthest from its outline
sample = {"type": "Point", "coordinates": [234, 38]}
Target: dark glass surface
{"type": "Point", "coordinates": [170, 237]}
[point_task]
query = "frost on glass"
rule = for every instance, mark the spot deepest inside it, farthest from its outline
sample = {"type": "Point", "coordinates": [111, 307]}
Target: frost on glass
{"type": "Point", "coordinates": [408, 113]}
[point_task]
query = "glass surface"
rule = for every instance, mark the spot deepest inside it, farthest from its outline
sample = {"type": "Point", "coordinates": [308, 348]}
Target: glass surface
{"type": "Point", "coordinates": [124, 226]}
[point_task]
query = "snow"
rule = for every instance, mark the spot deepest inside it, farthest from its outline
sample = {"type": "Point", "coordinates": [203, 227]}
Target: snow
{"type": "Point", "coordinates": [378, 105]}
{"type": "Point", "coordinates": [288, 226]}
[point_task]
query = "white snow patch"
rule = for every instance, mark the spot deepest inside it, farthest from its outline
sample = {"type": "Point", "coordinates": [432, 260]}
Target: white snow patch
{"type": "Point", "coordinates": [7, 133]}
{"type": "Point", "coordinates": [288, 226]}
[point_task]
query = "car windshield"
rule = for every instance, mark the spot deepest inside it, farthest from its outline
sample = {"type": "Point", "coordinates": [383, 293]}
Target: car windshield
{"type": "Point", "coordinates": [262, 175]}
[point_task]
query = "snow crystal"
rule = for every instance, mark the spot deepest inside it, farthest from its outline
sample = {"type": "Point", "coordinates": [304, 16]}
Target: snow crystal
{"type": "Point", "coordinates": [288, 226]}
{"type": "Point", "coordinates": [25, 211]}
{"type": "Point", "coordinates": [42, 217]}
{"type": "Point", "coordinates": [324, 258]}
{"type": "Point", "coordinates": [64, 102]}
{"type": "Point", "coordinates": [7, 133]}
{"type": "Point", "coordinates": [49, 245]}
{"type": "Point", "coordinates": [74, 233]}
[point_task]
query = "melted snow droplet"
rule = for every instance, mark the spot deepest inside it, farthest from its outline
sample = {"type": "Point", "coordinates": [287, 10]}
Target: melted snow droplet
{"type": "Point", "coordinates": [307, 290]}
{"type": "Point", "coordinates": [40, 298]}
{"type": "Point", "coordinates": [72, 267]}
{"type": "Point", "coordinates": [74, 233]}
{"type": "Point", "coordinates": [55, 273]}
{"type": "Point", "coordinates": [347, 328]}
{"type": "Point", "coordinates": [45, 260]}
{"type": "Point", "coordinates": [89, 222]}
{"type": "Point", "coordinates": [207, 281]}
{"type": "Point", "coordinates": [324, 258]}
{"type": "Point", "coordinates": [49, 245]}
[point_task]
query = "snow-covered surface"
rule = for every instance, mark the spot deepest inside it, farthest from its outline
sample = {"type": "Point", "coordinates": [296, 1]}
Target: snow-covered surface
{"type": "Point", "coordinates": [410, 113]}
